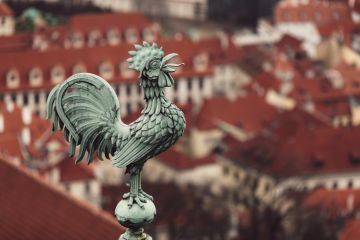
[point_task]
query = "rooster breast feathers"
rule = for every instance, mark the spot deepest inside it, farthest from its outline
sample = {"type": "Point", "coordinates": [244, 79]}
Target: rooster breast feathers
{"type": "Point", "coordinates": [86, 108]}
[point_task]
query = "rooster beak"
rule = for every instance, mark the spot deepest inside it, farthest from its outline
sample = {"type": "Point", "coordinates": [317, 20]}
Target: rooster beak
{"type": "Point", "coordinates": [169, 67]}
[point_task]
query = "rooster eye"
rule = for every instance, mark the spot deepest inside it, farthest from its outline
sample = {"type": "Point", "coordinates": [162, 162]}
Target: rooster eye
{"type": "Point", "coordinates": [154, 64]}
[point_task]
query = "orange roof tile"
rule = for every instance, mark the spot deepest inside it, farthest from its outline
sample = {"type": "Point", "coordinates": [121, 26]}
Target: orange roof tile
{"type": "Point", "coordinates": [36, 210]}
{"type": "Point", "coordinates": [249, 113]}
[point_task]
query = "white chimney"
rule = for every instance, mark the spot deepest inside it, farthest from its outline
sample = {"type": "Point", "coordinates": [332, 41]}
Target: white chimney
{"type": "Point", "coordinates": [350, 202]}
{"type": "Point", "coordinates": [26, 115]}
{"type": "Point", "coordinates": [26, 135]}
{"type": "Point", "coordinates": [2, 123]}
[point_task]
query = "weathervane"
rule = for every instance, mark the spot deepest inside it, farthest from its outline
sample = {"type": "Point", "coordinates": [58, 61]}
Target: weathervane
{"type": "Point", "coordinates": [86, 108]}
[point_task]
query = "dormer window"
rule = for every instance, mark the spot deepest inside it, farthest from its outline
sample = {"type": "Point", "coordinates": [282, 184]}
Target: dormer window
{"type": "Point", "coordinates": [106, 70]}
{"type": "Point", "coordinates": [79, 68]}
{"type": "Point", "coordinates": [57, 74]}
{"type": "Point", "coordinates": [131, 35]}
{"type": "Point", "coordinates": [317, 16]}
{"type": "Point", "coordinates": [149, 35]}
{"type": "Point", "coordinates": [12, 78]}
{"type": "Point", "coordinates": [113, 36]}
{"type": "Point", "coordinates": [94, 37]}
{"type": "Point", "coordinates": [125, 71]}
{"type": "Point", "coordinates": [77, 40]}
{"type": "Point", "coordinates": [35, 77]}
{"type": "Point", "coordinates": [201, 62]}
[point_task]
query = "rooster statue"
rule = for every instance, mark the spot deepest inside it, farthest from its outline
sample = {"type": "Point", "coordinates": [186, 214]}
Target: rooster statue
{"type": "Point", "coordinates": [86, 108]}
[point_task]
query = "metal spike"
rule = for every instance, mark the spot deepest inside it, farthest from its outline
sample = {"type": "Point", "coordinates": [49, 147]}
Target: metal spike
{"type": "Point", "coordinates": [132, 52]}
{"type": "Point", "coordinates": [130, 60]}
{"type": "Point", "coordinates": [137, 46]}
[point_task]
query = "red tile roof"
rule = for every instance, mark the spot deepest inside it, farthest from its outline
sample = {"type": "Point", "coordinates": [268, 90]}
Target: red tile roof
{"type": "Point", "coordinates": [288, 42]}
{"type": "Point", "coordinates": [92, 58]}
{"type": "Point", "coordinates": [17, 42]}
{"type": "Point", "coordinates": [10, 138]}
{"type": "Point", "coordinates": [5, 10]}
{"type": "Point", "coordinates": [36, 210]}
{"type": "Point", "coordinates": [69, 171]}
{"type": "Point", "coordinates": [316, 89]}
{"type": "Point", "coordinates": [351, 230]}
{"type": "Point", "coordinates": [182, 161]}
{"type": "Point", "coordinates": [266, 81]}
{"type": "Point", "coordinates": [300, 145]}
{"type": "Point", "coordinates": [250, 113]}
{"type": "Point", "coordinates": [334, 201]}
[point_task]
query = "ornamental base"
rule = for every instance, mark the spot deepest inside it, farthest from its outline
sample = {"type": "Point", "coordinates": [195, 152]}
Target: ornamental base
{"type": "Point", "coordinates": [134, 218]}
{"type": "Point", "coordinates": [135, 235]}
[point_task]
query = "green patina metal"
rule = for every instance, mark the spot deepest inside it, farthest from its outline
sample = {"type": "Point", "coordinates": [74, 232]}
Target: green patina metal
{"type": "Point", "coordinates": [86, 108]}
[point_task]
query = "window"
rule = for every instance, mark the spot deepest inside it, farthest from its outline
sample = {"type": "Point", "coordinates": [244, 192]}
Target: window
{"type": "Point", "coordinates": [117, 90]}
{"type": "Point", "coordinates": [57, 74]}
{"type": "Point", "coordinates": [286, 15]}
{"type": "Point", "coordinates": [36, 98]}
{"type": "Point", "coordinates": [226, 170]}
{"type": "Point", "coordinates": [25, 99]}
{"type": "Point", "coordinates": [106, 70]}
{"type": "Point", "coordinates": [12, 79]}
{"type": "Point", "coordinates": [87, 188]}
{"type": "Point", "coordinates": [201, 62]}
{"type": "Point", "coordinates": [125, 71]}
{"type": "Point", "coordinates": [113, 36]}
{"type": "Point", "coordinates": [350, 184]}
{"type": "Point", "coordinates": [94, 37]}
{"type": "Point", "coordinates": [335, 185]}
{"type": "Point", "coordinates": [128, 89]}
{"type": "Point", "coordinates": [303, 15]}
{"type": "Point", "coordinates": [77, 40]}
{"type": "Point", "coordinates": [201, 83]}
{"type": "Point", "coordinates": [189, 83]}
{"type": "Point", "coordinates": [35, 77]}
{"type": "Point", "coordinates": [128, 108]}
{"type": "Point", "coordinates": [78, 68]}
{"type": "Point", "coordinates": [267, 187]}
{"type": "Point", "coordinates": [131, 35]}
{"type": "Point", "coordinates": [149, 35]}
{"type": "Point", "coordinates": [317, 16]}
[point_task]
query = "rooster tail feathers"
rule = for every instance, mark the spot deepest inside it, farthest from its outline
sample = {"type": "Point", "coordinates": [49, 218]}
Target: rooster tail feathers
{"type": "Point", "coordinates": [86, 108]}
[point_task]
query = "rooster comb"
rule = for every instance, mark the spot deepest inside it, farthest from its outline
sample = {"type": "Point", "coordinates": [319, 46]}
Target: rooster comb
{"type": "Point", "coordinates": [144, 53]}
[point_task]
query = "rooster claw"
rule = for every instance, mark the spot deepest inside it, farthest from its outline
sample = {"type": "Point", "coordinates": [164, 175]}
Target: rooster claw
{"type": "Point", "coordinates": [146, 195]}
{"type": "Point", "coordinates": [134, 199]}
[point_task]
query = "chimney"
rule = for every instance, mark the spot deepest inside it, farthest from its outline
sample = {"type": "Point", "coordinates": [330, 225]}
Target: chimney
{"type": "Point", "coordinates": [26, 136]}
{"type": "Point", "coordinates": [26, 115]}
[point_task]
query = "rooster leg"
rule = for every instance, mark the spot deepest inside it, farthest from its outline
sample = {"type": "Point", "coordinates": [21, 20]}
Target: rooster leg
{"type": "Point", "coordinates": [134, 195]}
{"type": "Point", "coordinates": [141, 192]}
